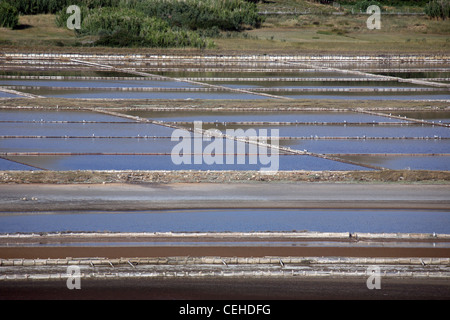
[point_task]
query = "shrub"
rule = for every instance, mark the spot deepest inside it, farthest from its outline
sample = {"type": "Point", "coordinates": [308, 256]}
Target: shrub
{"type": "Point", "coordinates": [127, 27]}
{"type": "Point", "coordinates": [203, 14]}
{"type": "Point", "coordinates": [9, 16]}
{"type": "Point", "coordinates": [164, 23]}
{"type": "Point", "coordinates": [438, 9]}
{"type": "Point", "coordinates": [191, 14]}
{"type": "Point", "coordinates": [112, 19]}
{"type": "Point", "coordinates": [364, 4]}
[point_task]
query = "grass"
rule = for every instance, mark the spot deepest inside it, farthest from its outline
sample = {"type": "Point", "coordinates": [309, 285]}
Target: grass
{"type": "Point", "coordinates": [403, 34]}
{"type": "Point", "coordinates": [38, 31]}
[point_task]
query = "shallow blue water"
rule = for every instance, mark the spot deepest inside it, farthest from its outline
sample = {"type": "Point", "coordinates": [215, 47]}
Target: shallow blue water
{"type": "Point", "coordinates": [143, 129]}
{"type": "Point", "coordinates": [99, 83]}
{"type": "Point", "coordinates": [406, 163]}
{"type": "Point", "coordinates": [263, 116]}
{"type": "Point", "coordinates": [370, 146]}
{"type": "Point", "coordinates": [108, 94]}
{"type": "Point", "coordinates": [433, 116]}
{"type": "Point", "coordinates": [88, 145]}
{"type": "Point", "coordinates": [115, 145]}
{"type": "Point", "coordinates": [329, 85]}
{"type": "Point", "coordinates": [165, 145]}
{"type": "Point", "coordinates": [84, 130]}
{"type": "Point", "coordinates": [11, 165]}
{"type": "Point", "coordinates": [376, 221]}
{"type": "Point", "coordinates": [99, 94]}
{"type": "Point", "coordinates": [163, 162]}
{"type": "Point", "coordinates": [60, 115]}
{"type": "Point", "coordinates": [8, 95]}
{"type": "Point", "coordinates": [381, 97]}
{"type": "Point", "coordinates": [149, 145]}
{"type": "Point", "coordinates": [346, 130]}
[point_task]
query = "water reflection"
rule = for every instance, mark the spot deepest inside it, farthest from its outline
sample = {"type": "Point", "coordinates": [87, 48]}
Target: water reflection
{"type": "Point", "coordinates": [280, 116]}
{"type": "Point", "coordinates": [84, 129]}
{"type": "Point", "coordinates": [55, 115]}
{"type": "Point", "coordinates": [437, 116]}
{"type": "Point", "coordinates": [367, 221]}
{"type": "Point", "coordinates": [164, 162]}
{"type": "Point", "coordinates": [313, 244]}
{"type": "Point", "coordinates": [99, 83]}
{"type": "Point", "coordinates": [371, 146]}
{"type": "Point", "coordinates": [415, 162]}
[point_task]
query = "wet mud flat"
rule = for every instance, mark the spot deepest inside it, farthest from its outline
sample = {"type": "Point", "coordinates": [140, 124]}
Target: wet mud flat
{"type": "Point", "coordinates": [111, 252]}
{"type": "Point", "coordinates": [212, 248]}
{"type": "Point", "coordinates": [213, 288]}
{"type": "Point", "coordinates": [135, 197]}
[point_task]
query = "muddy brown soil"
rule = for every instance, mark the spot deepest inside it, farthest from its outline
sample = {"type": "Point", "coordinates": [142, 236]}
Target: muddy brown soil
{"type": "Point", "coordinates": [220, 289]}
{"type": "Point", "coordinates": [112, 252]}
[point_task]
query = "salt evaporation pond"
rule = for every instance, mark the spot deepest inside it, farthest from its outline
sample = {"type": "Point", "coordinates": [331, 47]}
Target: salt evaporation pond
{"type": "Point", "coordinates": [236, 220]}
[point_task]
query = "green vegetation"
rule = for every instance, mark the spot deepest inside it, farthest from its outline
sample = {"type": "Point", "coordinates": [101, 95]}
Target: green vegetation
{"type": "Point", "coordinates": [415, 6]}
{"type": "Point", "coordinates": [163, 23]}
{"type": "Point", "coordinates": [364, 4]}
{"type": "Point", "coordinates": [439, 9]}
{"type": "Point", "coordinates": [53, 6]}
{"type": "Point", "coordinates": [128, 27]}
{"type": "Point", "coordinates": [394, 3]}
{"type": "Point", "coordinates": [148, 23]}
{"type": "Point", "coordinates": [9, 16]}
{"type": "Point", "coordinates": [229, 15]}
{"type": "Point", "coordinates": [204, 26]}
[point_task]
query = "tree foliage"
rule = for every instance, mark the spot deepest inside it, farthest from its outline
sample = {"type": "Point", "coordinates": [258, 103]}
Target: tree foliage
{"type": "Point", "coordinates": [127, 27]}
{"type": "Point", "coordinates": [230, 15]}
{"type": "Point", "coordinates": [156, 23]}
{"type": "Point", "coordinates": [9, 16]}
{"type": "Point", "coordinates": [362, 5]}
{"type": "Point", "coordinates": [439, 9]}
{"type": "Point", "coordinates": [192, 14]}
